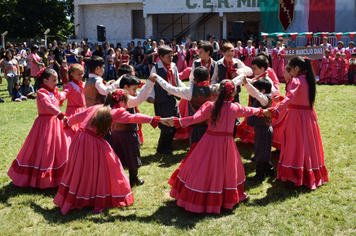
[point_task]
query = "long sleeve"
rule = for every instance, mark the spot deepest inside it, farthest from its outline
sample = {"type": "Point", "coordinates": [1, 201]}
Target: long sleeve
{"type": "Point", "coordinates": [65, 93]}
{"type": "Point", "coordinates": [80, 116]}
{"type": "Point", "coordinates": [122, 116]}
{"type": "Point", "coordinates": [102, 88]}
{"type": "Point", "coordinates": [152, 93]}
{"type": "Point", "coordinates": [201, 115]}
{"type": "Point", "coordinates": [248, 111]}
{"type": "Point", "coordinates": [48, 103]}
{"type": "Point", "coordinates": [182, 92]}
{"type": "Point", "coordinates": [238, 80]}
{"type": "Point", "coordinates": [282, 53]}
{"type": "Point", "coordinates": [256, 94]}
{"type": "Point", "coordinates": [191, 76]}
{"type": "Point", "coordinates": [142, 95]}
{"type": "Point", "coordinates": [293, 89]}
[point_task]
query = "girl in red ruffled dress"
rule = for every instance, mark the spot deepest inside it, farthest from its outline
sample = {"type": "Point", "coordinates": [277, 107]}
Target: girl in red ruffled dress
{"type": "Point", "coordinates": [212, 175]}
{"type": "Point", "coordinates": [94, 176]}
{"type": "Point", "coordinates": [74, 92]}
{"type": "Point", "coordinates": [336, 70]}
{"type": "Point", "coordinates": [326, 66]}
{"type": "Point", "coordinates": [42, 158]}
{"type": "Point", "coordinates": [302, 157]}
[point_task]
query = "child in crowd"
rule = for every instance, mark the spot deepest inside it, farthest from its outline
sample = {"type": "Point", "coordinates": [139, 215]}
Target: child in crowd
{"type": "Point", "coordinates": [28, 63]}
{"type": "Point", "coordinates": [125, 57]}
{"type": "Point", "coordinates": [111, 70]}
{"type": "Point", "coordinates": [94, 176]}
{"type": "Point", "coordinates": [302, 157]}
{"type": "Point", "coordinates": [74, 92]}
{"type": "Point", "coordinates": [27, 89]}
{"type": "Point", "coordinates": [352, 69]}
{"type": "Point", "coordinates": [42, 158]}
{"type": "Point", "coordinates": [260, 93]}
{"type": "Point", "coordinates": [165, 104]}
{"type": "Point", "coordinates": [192, 51]}
{"type": "Point", "coordinates": [95, 88]}
{"type": "Point", "coordinates": [117, 59]}
{"type": "Point", "coordinates": [64, 72]}
{"type": "Point", "coordinates": [51, 60]}
{"type": "Point", "coordinates": [125, 139]}
{"type": "Point", "coordinates": [249, 53]}
{"type": "Point", "coordinates": [344, 69]}
{"type": "Point", "coordinates": [81, 62]}
{"type": "Point", "coordinates": [181, 63]}
{"type": "Point", "coordinates": [326, 66]}
{"type": "Point", "coordinates": [16, 93]}
{"type": "Point", "coordinates": [212, 176]}
{"type": "Point", "coordinates": [278, 54]}
{"type": "Point", "coordinates": [335, 75]}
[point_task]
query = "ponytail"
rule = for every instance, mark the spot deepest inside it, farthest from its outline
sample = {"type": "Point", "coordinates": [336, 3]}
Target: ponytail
{"type": "Point", "coordinates": [311, 81]}
{"type": "Point", "coordinates": [216, 113]}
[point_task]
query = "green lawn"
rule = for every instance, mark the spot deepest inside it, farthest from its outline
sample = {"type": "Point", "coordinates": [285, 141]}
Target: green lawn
{"type": "Point", "coordinates": [274, 208]}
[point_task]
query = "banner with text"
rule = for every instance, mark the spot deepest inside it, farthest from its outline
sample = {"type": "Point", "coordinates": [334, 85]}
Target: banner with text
{"type": "Point", "coordinates": [314, 53]}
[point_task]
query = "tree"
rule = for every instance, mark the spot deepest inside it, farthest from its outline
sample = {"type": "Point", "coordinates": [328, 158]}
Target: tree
{"type": "Point", "coordinates": [29, 19]}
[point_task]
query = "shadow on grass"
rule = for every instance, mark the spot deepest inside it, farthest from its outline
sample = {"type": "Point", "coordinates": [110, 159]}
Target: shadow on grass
{"type": "Point", "coordinates": [245, 149]}
{"type": "Point", "coordinates": [279, 192]}
{"type": "Point", "coordinates": [181, 146]}
{"type": "Point", "coordinates": [11, 190]}
{"type": "Point", "coordinates": [168, 215]}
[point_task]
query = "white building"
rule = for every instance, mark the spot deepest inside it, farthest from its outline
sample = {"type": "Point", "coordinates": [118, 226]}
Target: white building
{"type": "Point", "coordinates": [226, 19]}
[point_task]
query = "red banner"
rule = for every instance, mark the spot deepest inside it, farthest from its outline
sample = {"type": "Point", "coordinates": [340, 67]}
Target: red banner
{"type": "Point", "coordinates": [322, 15]}
{"type": "Point", "coordinates": [286, 13]}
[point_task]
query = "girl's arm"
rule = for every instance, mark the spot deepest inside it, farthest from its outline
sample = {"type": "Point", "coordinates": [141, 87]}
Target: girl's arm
{"type": "Point", "coordinates": [120, 115]}
{"type": "Point", "coordinates": [248, 111]}
{"type": "Point", "coordinates": [201, 115]}
{"type": "Point", "coordinates": [65, 93]}
{"type": "Point", "coordinates": [80, 116]}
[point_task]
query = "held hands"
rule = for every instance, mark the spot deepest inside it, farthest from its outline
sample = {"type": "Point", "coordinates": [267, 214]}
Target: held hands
{"type": "Point", "coordinates": [167, 121]}
{"type": "Point", "coordinates": [153, 77]}
{"type": "Point", "coordinates": [150, 100]}
{"type": "Point", "coordinates": [267, 113]}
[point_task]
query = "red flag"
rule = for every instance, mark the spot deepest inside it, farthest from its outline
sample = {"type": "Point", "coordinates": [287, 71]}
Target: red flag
{"type": "Point", "coordinates": [321, 15]}
{"type": "Point", "coordinates": [286, 13]}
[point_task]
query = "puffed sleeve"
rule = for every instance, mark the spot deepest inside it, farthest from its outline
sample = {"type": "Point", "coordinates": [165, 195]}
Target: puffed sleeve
{"type": "Point", "coordinates": [120, 115]}
{"type": "Point", "coordinates": [201, 115]}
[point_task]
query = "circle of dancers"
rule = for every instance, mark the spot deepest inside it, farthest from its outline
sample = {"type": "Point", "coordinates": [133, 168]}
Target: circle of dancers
{"type": "Point", "coordinates": [84, 151]}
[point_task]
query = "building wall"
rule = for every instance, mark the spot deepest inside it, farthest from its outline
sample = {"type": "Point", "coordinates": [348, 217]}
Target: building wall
{"type": "Point", "coordinates": [117, 18]}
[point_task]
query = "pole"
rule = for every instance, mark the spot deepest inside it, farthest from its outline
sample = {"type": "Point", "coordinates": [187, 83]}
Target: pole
{"type": "Point", "coordinates": [3, 38]}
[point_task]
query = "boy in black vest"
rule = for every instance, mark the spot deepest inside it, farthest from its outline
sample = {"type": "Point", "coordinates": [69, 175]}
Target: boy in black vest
{"type": "Point", "coordinates": [205, 52]}
{"type": "Point", "coordinates": [260, 92]}
{"type": "Point", "coordinates": [165, 104]}
{"type": "Point", "coordinates": [197, 94]}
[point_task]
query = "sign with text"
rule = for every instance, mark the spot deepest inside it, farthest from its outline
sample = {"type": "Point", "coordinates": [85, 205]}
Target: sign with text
{"type": "Point", "coordinates": [199, 6]}
{"type": "Point", "coordinates": [314, 53]}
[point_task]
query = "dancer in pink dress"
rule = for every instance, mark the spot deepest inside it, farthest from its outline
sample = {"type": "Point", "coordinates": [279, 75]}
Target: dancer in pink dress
{"type": "Point", "coordinates": [42, 158]}
{"type": "Point", "coordinates": [94, 176]}
{"type": "Point", "coordinates": [249, 53]}
{"type": "Point", "coordinates": [336, 71]}
{"type": "Point", "coordinates": [302, 157]}
{"type": "Point", "coordinates": [278, 54]}
{"type": "Point", "coordinates": [212, 176]}
{"type": "Point", "coordinates": [74, 92]}
{"type": "Point", "coordinates": [326, 66]}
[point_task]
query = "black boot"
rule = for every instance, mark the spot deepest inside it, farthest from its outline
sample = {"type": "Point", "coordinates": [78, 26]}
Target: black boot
{"type": "Point", "coordinates": [260, 173]}
{"type": "Point", "coordinates": [169, 143]}
{"type": "Point", "coordinates": [134, 180]}
{"type": "Point", "coordinates": [268, 169]}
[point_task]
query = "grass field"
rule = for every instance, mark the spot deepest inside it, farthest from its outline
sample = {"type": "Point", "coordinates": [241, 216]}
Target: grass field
{"type": "Point", "coordinates": [274, 208]}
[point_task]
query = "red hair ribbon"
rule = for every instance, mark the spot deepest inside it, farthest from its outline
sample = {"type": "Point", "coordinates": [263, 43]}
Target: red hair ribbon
{"type": "Point", "coordinates": [229, 87]}
{"type": "Point", "coordinates": [117, 94]}
{"type": "Point", "coordinates": [39, 74]}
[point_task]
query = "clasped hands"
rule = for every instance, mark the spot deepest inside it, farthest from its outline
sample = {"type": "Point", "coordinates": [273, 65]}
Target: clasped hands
{"type": "Point", "coordinates": [167, 121]}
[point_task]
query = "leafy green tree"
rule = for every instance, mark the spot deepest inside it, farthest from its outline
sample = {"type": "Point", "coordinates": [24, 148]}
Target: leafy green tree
{"type": "Point", "coordinates": [30, 18]}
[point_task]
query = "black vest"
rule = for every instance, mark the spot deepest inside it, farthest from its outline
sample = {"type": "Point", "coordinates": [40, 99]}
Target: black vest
{"type": "Point", "coordinates": [197, 63]}
{"type": "Point", "coordinates": [260, 121]}
{"type": "Point", "coordinates": [161, 94]}
{"type": "Point", "coordinates": [222, 73]}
